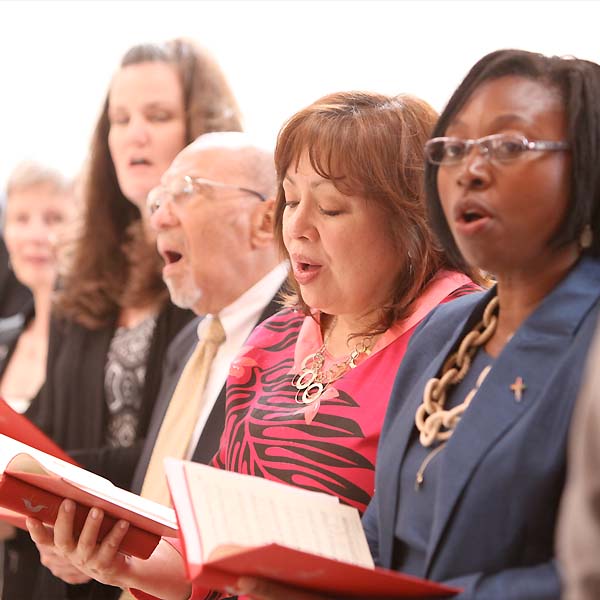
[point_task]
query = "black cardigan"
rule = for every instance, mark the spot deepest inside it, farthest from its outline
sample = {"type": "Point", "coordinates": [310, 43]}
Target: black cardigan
{"type": "Point", "coordinates": [71, 407]}
{"type": "Point", "coordinates": [19, 552]}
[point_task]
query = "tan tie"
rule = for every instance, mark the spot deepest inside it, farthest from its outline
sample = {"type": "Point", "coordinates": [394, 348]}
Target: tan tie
{"type": "Point", "coordinates": [182, 414]}
{"type": "Point", "coordinates": [184, 409]}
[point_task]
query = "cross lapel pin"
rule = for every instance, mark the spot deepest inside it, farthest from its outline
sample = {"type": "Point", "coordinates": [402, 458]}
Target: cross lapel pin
{"type": "Point", "coordinates": [517, 388]}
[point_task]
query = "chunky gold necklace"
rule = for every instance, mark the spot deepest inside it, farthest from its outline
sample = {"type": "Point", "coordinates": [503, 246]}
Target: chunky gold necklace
{"type": "Point", "coordinates": [431, 416]}
{"type": "Point", "coordinates": [434, 422]}
{"type": "Point", "coordinates": [313, 378]}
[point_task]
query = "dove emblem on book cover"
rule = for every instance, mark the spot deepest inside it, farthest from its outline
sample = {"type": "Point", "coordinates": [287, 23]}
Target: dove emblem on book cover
{"type": "Point", "coordinates": [33, 508]}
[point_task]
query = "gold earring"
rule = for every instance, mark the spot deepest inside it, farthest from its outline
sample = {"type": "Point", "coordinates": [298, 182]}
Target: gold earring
{"type": "Point", "coordinates": [586, 237]}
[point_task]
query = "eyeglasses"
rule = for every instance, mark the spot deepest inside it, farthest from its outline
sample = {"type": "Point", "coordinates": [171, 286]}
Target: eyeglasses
{"type": "Point", "coordinates": [502, 147]}
{"type": "Point", "coordinates": [183, 189]}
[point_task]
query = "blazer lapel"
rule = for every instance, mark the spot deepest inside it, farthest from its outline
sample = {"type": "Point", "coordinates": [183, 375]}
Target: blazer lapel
{"type": "Point", "coordinates": [208, 444]}
{"type": "Point", "coordinates": [541, 340]}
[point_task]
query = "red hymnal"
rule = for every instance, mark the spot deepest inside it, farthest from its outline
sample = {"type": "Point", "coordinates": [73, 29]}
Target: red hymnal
{"type": "Point", "coordinates": [20, 428]}
{"type": "Point", "coordinates": [233, 525]}
{"type": "Point", "coordinates": [34, 483]}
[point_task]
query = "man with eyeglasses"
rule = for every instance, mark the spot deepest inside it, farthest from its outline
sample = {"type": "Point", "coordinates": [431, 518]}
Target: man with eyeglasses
{"type": "Point", "coordinates": [212, 215]}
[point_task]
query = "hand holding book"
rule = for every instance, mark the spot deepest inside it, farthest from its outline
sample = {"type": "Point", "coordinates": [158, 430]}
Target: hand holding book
{"type": "Point", "coordinates": [60, 542]}
{"type": "Point", "coordinates": [162, 574]}
{"type": "Point", "coordinates": [59, 566]}
{"type": "Point", "coordinates": [33, 483]}
{"type": "Point", "coordinates": [262, 589]}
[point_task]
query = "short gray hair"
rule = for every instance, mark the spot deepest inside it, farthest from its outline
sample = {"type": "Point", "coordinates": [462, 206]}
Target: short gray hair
{"type": "Point", "coordinates": [257, 163]}
{"type": "Point", "coordinates": [28, 174]}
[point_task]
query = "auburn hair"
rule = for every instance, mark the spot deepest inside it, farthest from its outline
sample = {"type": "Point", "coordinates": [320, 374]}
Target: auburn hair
{"type": "Point", "coordinates": [370, 145]}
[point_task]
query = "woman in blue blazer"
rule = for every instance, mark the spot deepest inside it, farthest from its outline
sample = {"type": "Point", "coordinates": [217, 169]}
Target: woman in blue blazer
{"type": "Point", "coordinates": [471, 462]}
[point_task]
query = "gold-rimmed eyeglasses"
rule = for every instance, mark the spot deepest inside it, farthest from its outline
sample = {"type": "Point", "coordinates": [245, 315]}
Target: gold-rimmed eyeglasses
{"type": "Point", "coordinates": [502, 147]}
{"type": "Point", "coordinates": [179, 190]}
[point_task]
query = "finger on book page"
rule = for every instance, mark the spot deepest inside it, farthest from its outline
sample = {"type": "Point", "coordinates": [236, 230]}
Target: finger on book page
{"type": "Point", "coordinates": [262, 589]}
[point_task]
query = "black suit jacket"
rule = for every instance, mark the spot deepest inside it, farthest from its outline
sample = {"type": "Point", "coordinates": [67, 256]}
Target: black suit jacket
{"type": "Point", "coordinates": [178, 354]}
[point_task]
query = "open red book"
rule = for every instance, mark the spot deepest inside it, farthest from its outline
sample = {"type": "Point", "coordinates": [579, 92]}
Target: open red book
{"type": "Point", "coordinates": [33, 483]}
{"type": "Point", "coordinates": [20, 428]}
{"type": "Point", "coordinates": [232, 525]}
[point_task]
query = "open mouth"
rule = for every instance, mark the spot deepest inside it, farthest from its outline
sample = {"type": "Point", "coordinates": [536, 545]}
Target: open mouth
{"type": "Point", "coordinates": [134, 162]}
{"type": "Point", "coordinates": [470, 216]}
{"type": "Point", "coordinates": [304, 271]}
{"type": "Point", "coordinates": [304, 267]}
{"type": "Point", "coordinates": [171, 257]}
{"type": "Point", "coordinates": [38, 260]}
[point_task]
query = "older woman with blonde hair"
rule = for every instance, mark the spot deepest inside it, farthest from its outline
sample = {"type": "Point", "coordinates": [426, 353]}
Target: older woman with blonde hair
{"type": "Point", "coordinates": [307, 394]}
{"type": "Point", "coordinates": [40, 204]}
{"type": "Point", "coordinates": [40, 207]}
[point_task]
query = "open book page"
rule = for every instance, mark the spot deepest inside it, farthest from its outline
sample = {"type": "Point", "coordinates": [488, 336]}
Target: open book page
{"type": "Point", "coordinates": [239, 510]}
{"type": "Point", "coordinates": [24, 463]}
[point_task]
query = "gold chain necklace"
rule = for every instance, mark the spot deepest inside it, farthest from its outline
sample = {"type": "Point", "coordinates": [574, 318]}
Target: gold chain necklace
{"type": "Point", "coordinates": [313, 379]}
{"type": "Point", "coordinates": [434, 422]}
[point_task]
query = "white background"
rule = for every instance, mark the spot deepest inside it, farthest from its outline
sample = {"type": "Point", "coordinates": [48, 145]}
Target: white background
{"type": "Point", "coordinates": [57, 57]}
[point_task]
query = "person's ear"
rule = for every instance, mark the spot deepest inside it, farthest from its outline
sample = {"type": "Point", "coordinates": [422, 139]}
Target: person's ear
{"type": "Point", "coordinates": [262, 224]}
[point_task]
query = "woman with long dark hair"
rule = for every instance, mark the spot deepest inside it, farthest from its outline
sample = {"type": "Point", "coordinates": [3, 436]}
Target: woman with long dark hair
{"type": "Point", "coordinates": [113, 317]}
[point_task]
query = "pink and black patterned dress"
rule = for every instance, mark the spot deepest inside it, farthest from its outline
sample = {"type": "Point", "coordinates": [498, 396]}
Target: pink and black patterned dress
{"type": "Point", "coordinates": [267, 433]}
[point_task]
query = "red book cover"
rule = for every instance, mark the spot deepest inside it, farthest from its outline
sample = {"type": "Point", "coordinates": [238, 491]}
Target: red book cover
{"type": "Point", "coordinates": [12, 518]}
{"type": "Point", "coordinates": [214, 565]}
{"type": "Point", "coordinates": [20, 428]}
{"type": "Point", "coordinates": [33, 483]}
{"type": "Point", "coordinates": [314, 573]}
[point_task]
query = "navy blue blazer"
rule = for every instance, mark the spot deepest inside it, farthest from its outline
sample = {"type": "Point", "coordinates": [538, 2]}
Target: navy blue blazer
{"type": "Point", "coordinates": [503, 470]}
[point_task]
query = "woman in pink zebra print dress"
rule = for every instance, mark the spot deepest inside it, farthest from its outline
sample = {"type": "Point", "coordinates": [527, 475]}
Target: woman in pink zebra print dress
{"type": "Point", "coordinates": [365, 270]}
